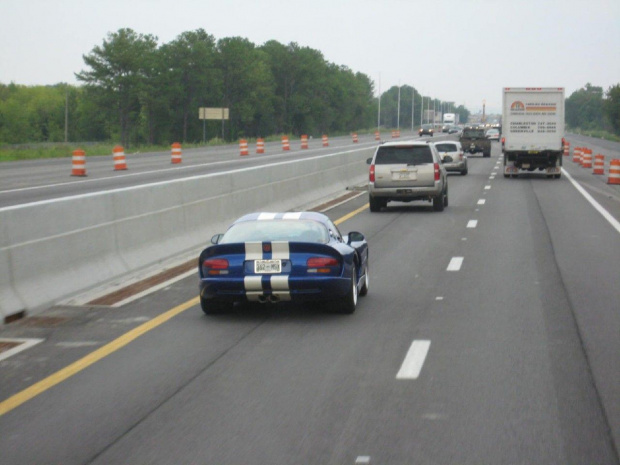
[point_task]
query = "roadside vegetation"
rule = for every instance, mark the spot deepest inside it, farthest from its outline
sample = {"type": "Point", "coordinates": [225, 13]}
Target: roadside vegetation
{"type": "Point", "coordinates": [592, 112]}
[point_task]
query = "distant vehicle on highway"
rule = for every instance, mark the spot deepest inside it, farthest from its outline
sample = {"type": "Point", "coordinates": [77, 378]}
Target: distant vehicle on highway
{"type": "Point", "coordinates": [426, 129]}
{"type": "Point", "coordinates": [492, 134]}
{"type": "Point", "coordinates": [407, 171]}
{"type": "Point", "coordinates": [473, 140]}
{"type": "Point", "coordinates": [454, 130]}
{"type": "Point", "coordinates": [274, 257]}
{"type": "Point", "coordinates": [454, 150]}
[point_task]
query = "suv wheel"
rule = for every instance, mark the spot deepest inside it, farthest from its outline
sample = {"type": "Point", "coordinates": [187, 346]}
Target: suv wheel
{"type": "Point", "coordinates": [486, 154]}
{"type": "Point", "coordinates": [438, 203]}
{"type": "Point", "coordinates": [375, 204]}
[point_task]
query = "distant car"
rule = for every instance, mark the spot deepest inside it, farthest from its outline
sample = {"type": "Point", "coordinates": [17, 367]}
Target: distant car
{"type": "Point", "coordinates": [407, 171]}
{"type": "Point", "coordinates": [274, 257]}
{"type": "Point", "coordinates": [454, 150]}
{"type": "Point", "coordinates": [492, 134]}
{"type": "Point", "coordinates": [446, 128]}
{"type": "Point", "coordinates": [454, 130]}
{"type": "Point", "coordinates": [426, 129]}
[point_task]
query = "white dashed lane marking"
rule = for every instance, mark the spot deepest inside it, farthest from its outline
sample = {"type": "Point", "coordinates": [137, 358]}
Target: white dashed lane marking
{"type": "Point", "coordinates": [455, 264]}
{"type": "Point", "coordinates": [472, 223]}
{"type": "Point", "coordinates": [414, 360]}
{"type": "Point", "coordinates": [481, 201]}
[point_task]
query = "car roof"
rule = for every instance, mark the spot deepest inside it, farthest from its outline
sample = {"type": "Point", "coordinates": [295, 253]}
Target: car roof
{"type": "Point", "coordinates": [289, 216]}
{"type": "Point", "coordinates": [404, 143]}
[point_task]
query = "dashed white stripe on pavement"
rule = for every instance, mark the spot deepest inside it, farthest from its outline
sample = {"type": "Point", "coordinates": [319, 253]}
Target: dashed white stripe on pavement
{"type": "Point", "coordinates": [414, 360]}
{"type": "Point", "coordinates": [481, 201]}
{"type": "Point", "coordinates": [455, 264]}
{"type": "Point", "coordinates": [472, 223]}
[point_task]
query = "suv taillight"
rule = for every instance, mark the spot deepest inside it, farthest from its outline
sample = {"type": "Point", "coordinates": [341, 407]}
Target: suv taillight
{"type": "Point", "coordinates": [437, 172]}
{"type": "Point", "coordinates": [371, 176]}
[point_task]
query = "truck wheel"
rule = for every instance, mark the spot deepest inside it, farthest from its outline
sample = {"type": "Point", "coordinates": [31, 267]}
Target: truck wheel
{"type": "Point", "coordinates": [486, 154]}
{"type": "Point", "coordinates": [375, 204]}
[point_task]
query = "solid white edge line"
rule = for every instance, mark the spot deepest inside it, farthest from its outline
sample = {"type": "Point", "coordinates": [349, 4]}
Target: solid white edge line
{"type": "Point", "coordinates": [23, 345]}
{"type": "Point", "coordinates": [455, 264]}
{"type": "Point", "coordinates": [593, 202]}
{"type": "Point", "coordinates": [414, 360]}
{"type": "Point", "coordinates": [150, 290]}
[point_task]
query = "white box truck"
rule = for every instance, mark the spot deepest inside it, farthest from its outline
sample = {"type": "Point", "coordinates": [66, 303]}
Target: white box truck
{"type": "Point", "coordinates": [533, 130]}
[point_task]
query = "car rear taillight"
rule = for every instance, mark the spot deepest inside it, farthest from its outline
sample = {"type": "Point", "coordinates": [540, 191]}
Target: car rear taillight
{"type": "Point", "coordinates": [371, 175]}
{"type": "Point", "coordinates": [215, 266]}
{"type": "Point", "coordinates": [461, 155]}
{"type": "Point", "coordinates": [503, 140]}
{"type": "Point", "coordinates": [437, 176]}
{"type": "Point", "coordinates": [321, 264]}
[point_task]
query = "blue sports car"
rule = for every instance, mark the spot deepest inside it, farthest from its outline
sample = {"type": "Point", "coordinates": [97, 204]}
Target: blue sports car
{"type": "Point", "coordinates": [274, 257]}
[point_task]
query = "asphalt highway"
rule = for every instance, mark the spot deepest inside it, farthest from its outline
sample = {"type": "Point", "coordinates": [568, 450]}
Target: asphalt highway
{"type": "Point", "coordinates": [490, 334]}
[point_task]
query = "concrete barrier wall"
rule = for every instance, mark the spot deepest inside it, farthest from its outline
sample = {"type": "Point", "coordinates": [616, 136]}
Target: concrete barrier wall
{"type": "Point", "coordinates": [53, 249]}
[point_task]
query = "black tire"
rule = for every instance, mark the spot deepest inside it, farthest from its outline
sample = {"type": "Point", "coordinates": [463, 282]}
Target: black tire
{"type": "Point", "coordinates": [464, 172]}
{"type": "Point", "coordinates": [558, 176]}
{"type": "Point", "coordinates": [364, 289]}
{"type": "Point", "coordinates": [445, 199]}
{"type": "Point", "coordinates": [346, 305]}
{"type": "Point", "coordinates": [506, 175]}
{"type": "Point", "coordinates": [213, 307]}
{"type": "Point", "coordinates": [375, 204]}
{"type": "Point", "coordinates": [438, 203]}
{"type": "Point", "coordinates": [486, 154]}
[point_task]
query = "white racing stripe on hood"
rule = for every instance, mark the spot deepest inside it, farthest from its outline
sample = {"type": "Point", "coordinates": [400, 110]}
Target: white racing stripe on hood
{"type": "Point", "coordinates": [266, 216]}
{"type": "Point", "coordinates": [292, 216]}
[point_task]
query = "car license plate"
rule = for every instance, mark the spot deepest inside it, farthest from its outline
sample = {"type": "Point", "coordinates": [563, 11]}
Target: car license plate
{"type": "Point", "coordinates": [404, 176]}
{"type": "Point", "coordinates": [267, 266]}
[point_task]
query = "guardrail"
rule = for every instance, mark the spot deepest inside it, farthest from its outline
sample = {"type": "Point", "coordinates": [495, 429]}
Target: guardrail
{"type": "Point", "coordinates": [53, 249]}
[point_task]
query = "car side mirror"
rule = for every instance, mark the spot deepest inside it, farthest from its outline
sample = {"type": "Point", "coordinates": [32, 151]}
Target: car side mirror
{"type": "Point", "coordinates": [355, 236]}
{"type": "Point", "coordinates": [369, 161]}
{"type": "Point", "coordinates": [216, 239]}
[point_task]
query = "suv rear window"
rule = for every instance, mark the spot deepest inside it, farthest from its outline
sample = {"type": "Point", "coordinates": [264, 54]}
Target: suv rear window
{"type": "Point", "coordinates": [412, 155]}
{"type": "Point", "coordinates": [446, 147]}
{"type": "Point", "coordinates": [473, 133]}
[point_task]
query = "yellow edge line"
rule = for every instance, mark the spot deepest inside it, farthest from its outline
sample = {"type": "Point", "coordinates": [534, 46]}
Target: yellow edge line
{"type": "Point", "coordinates": [70, 370]}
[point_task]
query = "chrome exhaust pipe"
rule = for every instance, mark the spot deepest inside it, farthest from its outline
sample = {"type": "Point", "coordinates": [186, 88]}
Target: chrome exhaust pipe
{"type": "Point", "coordinates": [274, 299]}
{"type": "Point", "coordinates": [262, 299]}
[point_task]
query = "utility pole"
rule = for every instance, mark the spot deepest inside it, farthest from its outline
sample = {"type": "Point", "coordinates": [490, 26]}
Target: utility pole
{"type": "Point", "coordinates": [398, 111]}
{"type": "Point", "coordinates": [66, 114]}
{"type": "Point", "coordinates": [379, 106]}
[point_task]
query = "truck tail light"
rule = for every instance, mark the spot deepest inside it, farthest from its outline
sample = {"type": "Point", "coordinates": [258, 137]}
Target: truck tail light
{"type": "Point", "coordinates": [371, 175]}
{"type": "Point", "coordinates": [437, 175]}
{"type": "Point", "coordinates": [215, 266]}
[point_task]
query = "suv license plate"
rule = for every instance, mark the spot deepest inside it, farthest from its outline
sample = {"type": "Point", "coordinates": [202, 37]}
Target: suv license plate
{"type": "Point", "coordinates": [267, 266]}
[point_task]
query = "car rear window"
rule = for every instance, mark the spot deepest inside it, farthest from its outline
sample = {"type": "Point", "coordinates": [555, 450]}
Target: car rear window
{"type": "Point", "coordinates": [412, 155]}
{"type": "Point", "coordinates": [446, 147]}
{"type": "Point", "coordinates": [473, 133]}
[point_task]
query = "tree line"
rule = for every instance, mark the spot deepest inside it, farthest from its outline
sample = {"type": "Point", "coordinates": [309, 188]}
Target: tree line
{"type": "Point", "coordinates": [138, 92]}
{"type": "Point", "coordinates": [589, 108]}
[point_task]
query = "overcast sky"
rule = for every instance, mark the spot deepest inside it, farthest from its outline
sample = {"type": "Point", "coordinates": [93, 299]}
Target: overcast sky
{"type": "Point", "coordinates": [454, 50]}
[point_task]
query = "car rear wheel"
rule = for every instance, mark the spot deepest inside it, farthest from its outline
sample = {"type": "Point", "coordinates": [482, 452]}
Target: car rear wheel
{"type": "Point", "coordinates": [376, 204]}
{"type": "Point", "coordinates": [464, 172]}
{"type": "Point", "coordinates": [486, 154]}
{"type": "Point", "coordinates": [364, 289]}
{"type": "Point", "coordinates": [347, 304]}
{"type": "Point", "coordinates": [212, 307]}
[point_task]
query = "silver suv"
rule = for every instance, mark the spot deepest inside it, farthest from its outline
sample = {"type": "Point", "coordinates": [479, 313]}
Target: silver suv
{"type": "Point", "coordinates": [406, 171]}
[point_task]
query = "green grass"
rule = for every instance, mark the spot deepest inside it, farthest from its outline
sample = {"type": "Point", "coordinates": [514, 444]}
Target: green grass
{"type": "Point", "coordinates": [597, 133]}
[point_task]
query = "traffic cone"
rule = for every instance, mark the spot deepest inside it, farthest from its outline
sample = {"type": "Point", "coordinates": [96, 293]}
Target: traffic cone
{"type": "Point", "coordinates": [577, 155]}
{"type": "Point", "coordinates": [614, 172]}
{"type": "Point", "coordinates": [78, 162]}
{"type": "Point", "coordinates": [586, 159]}
{"type": "Point", "coordinates": [176, 153]}
{"type": "Point", "coordinates": [355, 138]}
{"type": "Point", "coordinates": [243, 147]}
{"type": "Point", "coordinates": [599, 164]}
{"type": "Point", "coordinates": [566, 149]}
{"type": "Point", "coordinates": [260, 146]}
{"type": "Point", "coordinates": [285, 144]}
{"type": "Point", "coordinates": [377, 135]}
{"type": "Point", "coordinates": [304, 141]}
{"type": "Point", "coordinates": [119, 158]}
{"type": "Point", "coordinates": [325, 141]}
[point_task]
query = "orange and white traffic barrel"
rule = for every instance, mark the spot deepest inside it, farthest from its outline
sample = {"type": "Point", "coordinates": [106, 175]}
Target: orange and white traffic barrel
{"type": "Point", "coordinates": [394, 135]}
{"type": "Point", "coordinates": [119, 158]}
{"type": "Point", "coordinates": [355, 140]}
{"type": "Point", "coordinates": [304, 141]}
{"type": "Point", "coordinates": [260, 146]}
{"type": "Point", "coordinates": [614, 172]}
{"type": "Point", "coordinates": [78, 163]}
{"type": "Point", "coordinates": [243, 147]}
{"type": "Point", "coordinates": [325, 141]}
{"type": "Point", "coordinates": [566, 148]}
{"type": "Point", "coordinates": [577, 155]}
{"type": "Point", "coordinates": [377, 135]}
{"type": "Point", "coordinates": [599, 164]}
{"type": "Point", "coordinates": [586, 159]}
{"type": "Point", "coordinates": [177, 155]}
{"type": "Point", "coordinates": [285, 145]}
